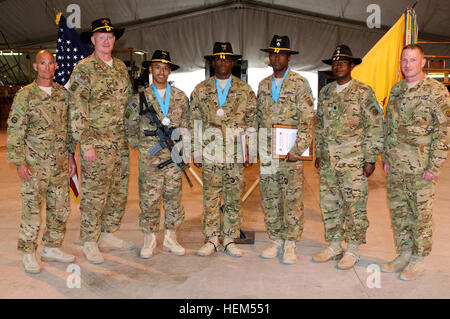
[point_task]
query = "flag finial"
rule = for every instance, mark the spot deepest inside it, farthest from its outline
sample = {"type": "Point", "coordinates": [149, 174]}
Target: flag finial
{"type": "Point", "coordinates": [58, 16]}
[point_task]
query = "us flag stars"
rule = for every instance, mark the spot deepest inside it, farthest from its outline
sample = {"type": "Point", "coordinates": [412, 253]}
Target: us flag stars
{"type": "Point", "coordinates": [69, 50]}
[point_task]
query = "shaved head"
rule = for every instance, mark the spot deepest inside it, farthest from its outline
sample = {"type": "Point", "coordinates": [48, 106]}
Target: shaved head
{"type": "Point", "coordinates": [45, 67]}
{"type": "Point", "coordinates": [42, 54]}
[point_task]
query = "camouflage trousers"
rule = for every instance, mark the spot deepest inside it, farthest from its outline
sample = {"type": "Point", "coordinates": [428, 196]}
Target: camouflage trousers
{"type": "Point", "coordinates": [52, 185]}
{"type": "Point", "coordinates": [343, 200]}
{"type": "Point", "coordinates": [104, 192]}
{"type": "Point", "coordinates": [282, 201]}
{"type": "Point", "coordinates": [410, 199]}
{"type": "Point", "coordinates": [228, 181]}
{"type": "Point", "coordinates": [152, 183]}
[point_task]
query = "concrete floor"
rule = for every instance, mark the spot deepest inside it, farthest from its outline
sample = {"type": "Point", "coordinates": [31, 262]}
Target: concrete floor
{"type": "Point", "coordinates": [125, 275]}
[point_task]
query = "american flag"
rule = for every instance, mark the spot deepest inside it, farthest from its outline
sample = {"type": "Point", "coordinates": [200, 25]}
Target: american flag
{"type": "Point", "coordinates": [69, 50]}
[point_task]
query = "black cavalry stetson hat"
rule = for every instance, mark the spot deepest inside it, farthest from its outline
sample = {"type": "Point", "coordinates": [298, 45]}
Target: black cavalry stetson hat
{"type": "Point", "coordinates": [101, 25]}
{"type": "Point", "coordinates": [163, 57]}
{"type": "Point", "coordinates": [280, 44]}
{"type": "Point", "coordinates": [222, 50]}
{"type": "Point", "coordinates": [342, 52]}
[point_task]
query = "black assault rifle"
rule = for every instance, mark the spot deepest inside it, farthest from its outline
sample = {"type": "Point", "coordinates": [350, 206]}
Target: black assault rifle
{"type": "Point", "coordinates": [164, 134]}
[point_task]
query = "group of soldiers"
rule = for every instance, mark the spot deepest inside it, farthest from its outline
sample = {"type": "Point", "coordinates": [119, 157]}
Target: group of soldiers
{"type": "Point", "coordinates": [100, 112]}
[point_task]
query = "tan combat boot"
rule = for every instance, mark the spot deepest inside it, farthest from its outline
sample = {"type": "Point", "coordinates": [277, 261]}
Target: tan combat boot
{"type": "Point", "coordinates": [398, 264]}
{"type": "Point", "coordinates": [414, 269]}
{"type": "Point", "coordinates": [149, 245]}
{"type": "Point", "coordinates": [273, 250]}
{"type": "Point", "coordinates": [56, 254]}
{"type": "Point", "coordinates": [30, 263]}
{"type": "Point", "coordinates": [93, 255]}
{"type": "Point", "coordinates": [108, 242]}
{"type": "Point", "coordinates": [351, 257]}
{"type": "Point", "coordinates": [289, 255]}
{"type": "Point", "coordinates": [209, 247]}
{"type": "Point", "coordinates": [171, 245]}
{"type": "Point", "coordinates": [333, 252]}
{"type": "Point", "coordinates": [231, 248]}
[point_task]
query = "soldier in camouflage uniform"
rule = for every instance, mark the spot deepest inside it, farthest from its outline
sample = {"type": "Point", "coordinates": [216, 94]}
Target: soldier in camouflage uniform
{"type": "Point", "coordinates": [349, 137]}
{"type": "Point", "coordinates": [100, 88]}
{"type": "Point", "coordinates": [41, 147]}
{"type": "Point", "coordinates": [282, 190]}
{"type": "Point", "coordinates": [221, 175]}
{"type": "Point", "coordinates": [152, 180]}
{"type": "Point", "coordinates": [415, 147]}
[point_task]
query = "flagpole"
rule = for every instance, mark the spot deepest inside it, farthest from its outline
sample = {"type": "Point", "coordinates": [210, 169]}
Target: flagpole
{"type": "Point", "coordinates": [250, 190]}
{"type": "Point", "coordinates": [195, 176]}
{"type": "Point", "coordinates": [415, 4]}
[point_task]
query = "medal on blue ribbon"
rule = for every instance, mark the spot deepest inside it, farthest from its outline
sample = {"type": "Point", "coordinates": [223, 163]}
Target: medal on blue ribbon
{"type": "Point", "coordinates": [222, 95]}
{"type": "Point", "coordinates": [164, 106]}
{"type": "Point", "coordinates": [276, 89]}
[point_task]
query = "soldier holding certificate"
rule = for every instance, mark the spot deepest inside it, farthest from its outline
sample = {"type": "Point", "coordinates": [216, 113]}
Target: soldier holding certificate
{"type": "Point", "coordinates": [284, 98]}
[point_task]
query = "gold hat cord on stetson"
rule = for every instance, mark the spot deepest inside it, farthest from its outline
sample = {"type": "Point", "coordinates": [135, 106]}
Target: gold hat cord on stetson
{"type": "Point", "coordinates": [107, 27]}
{"type": "Point", "coordinates": [161, 60]}
{"type": "Point", "coordinates": [277, 50]}
{"type": "Point", "coordinates": [222, 54]}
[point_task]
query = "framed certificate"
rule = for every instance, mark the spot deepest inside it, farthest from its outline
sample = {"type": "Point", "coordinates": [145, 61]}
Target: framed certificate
{"type": "Point", "coordinates": [283, 139]}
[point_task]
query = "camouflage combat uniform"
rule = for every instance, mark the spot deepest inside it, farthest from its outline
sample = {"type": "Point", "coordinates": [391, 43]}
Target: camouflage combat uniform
{"type": "Point", "coordinates": [282, 191]}
{"type": "Point", "coordinates": [152, 180]}
{"type": "Point", "coordinates": [224, 178]}
{"type": "Point", "coordinates": [415, 131]}
{"type": "Point", "coordinates": [99, 96]}
{"type": "Point", "coordinates": [38, 136]}
{"type": "Point", "coordinates": [349, 133]}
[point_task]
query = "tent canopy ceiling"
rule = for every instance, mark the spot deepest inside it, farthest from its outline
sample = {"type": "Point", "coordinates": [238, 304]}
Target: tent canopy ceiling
{"type": "Point", "coordinates": [188, 29]}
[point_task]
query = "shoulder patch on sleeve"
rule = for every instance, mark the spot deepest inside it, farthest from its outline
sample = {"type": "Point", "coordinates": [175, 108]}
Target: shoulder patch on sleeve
{"type": "Point", "coordinates": [375, 109]}
{"type": "Point", "coordinates": [74, 86]}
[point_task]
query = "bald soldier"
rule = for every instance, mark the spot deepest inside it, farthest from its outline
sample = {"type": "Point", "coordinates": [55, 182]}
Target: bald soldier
{"type": "Point", "coordinates": [415, 147]}
{"type": "Point", "coordinates": [39, 144]}
{"type": "Point", "coordinates": [100, 88]}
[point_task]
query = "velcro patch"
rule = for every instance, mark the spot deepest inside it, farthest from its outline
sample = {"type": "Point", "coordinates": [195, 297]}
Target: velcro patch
{"type": "Point", "coordinates": [74, 86]}
{"type": "Point", "coordinates": [374, 109]}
